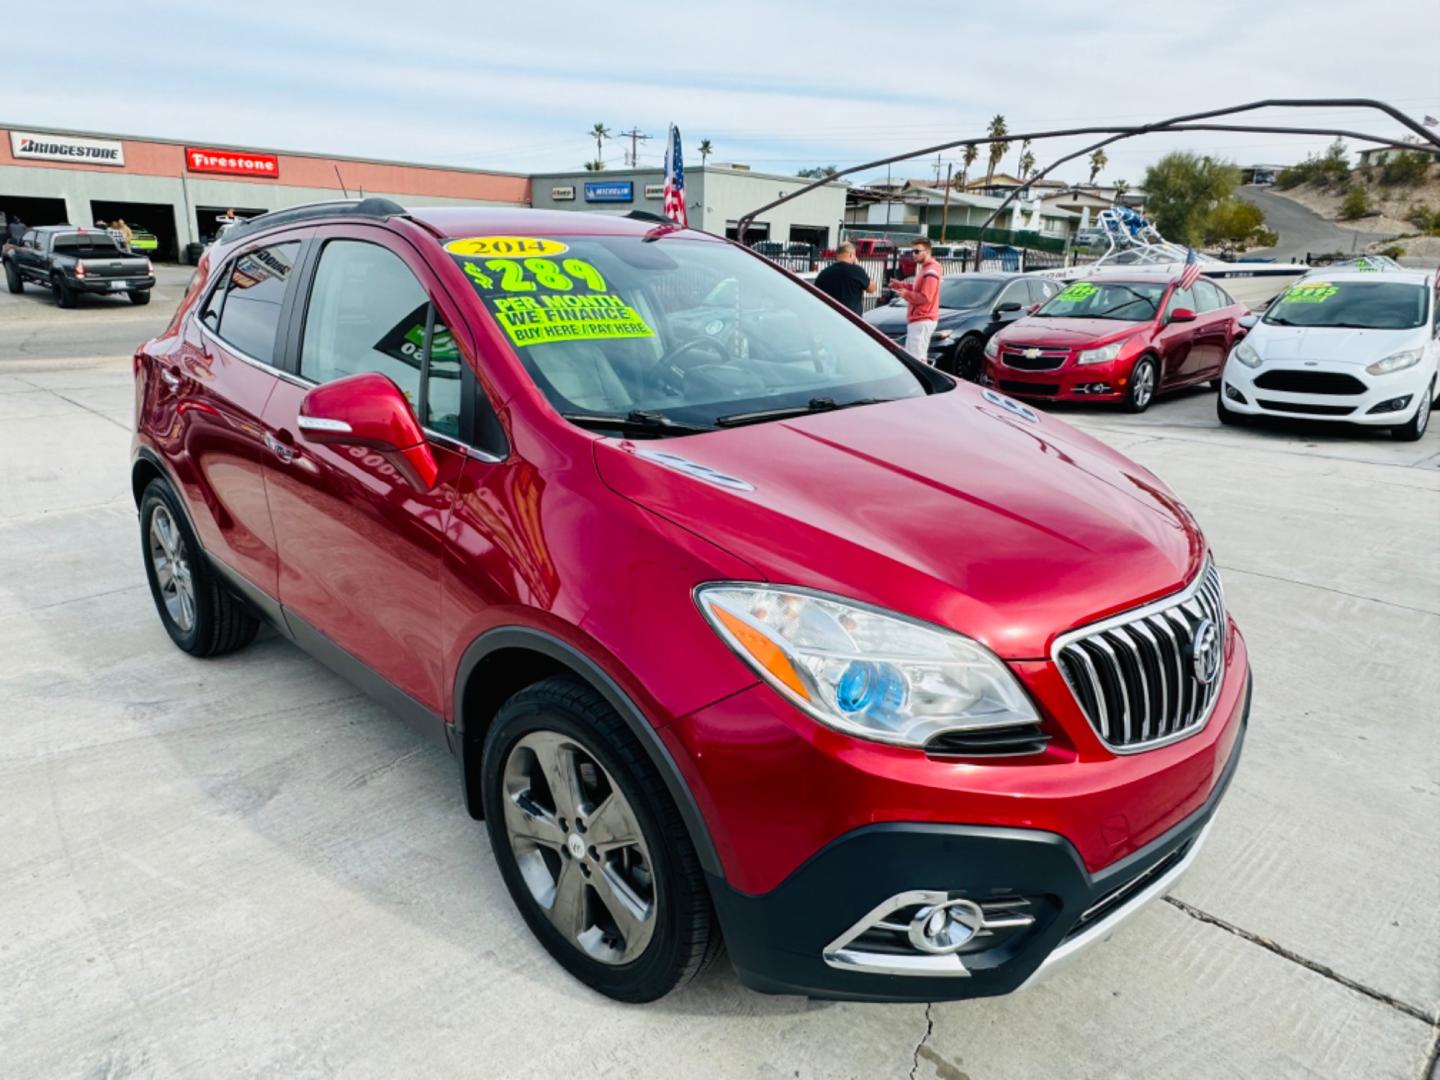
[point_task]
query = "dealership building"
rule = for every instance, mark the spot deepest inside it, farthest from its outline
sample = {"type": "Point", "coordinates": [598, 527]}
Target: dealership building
{"type": "Point", "coordinates": [179, 191]}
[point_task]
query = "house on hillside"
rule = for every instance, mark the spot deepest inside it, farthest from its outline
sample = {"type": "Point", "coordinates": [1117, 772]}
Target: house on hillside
{"type": "Point", "coordinates": [1379, 155]}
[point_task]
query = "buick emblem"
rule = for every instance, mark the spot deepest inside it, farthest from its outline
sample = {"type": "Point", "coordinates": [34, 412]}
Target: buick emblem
{"type": "Point", "coordinates": [1031, 353]}
{"type": "Point", "coordinates": [1205, 652]}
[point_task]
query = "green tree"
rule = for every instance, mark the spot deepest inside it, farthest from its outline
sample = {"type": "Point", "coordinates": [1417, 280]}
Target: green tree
{"type": "Point", "coordinates": [1330, 169]}
{"type": "Point", "coordinates": [705, 150]}
{"type": "Point", "coordinates": [968, 158]}
{"type": "Point", "coordinates": [595, 166]}
{"type": "Point", "coordinates": [818, 172]}
{"type": "Point", "coordinates": [1236, 226]}
{"type": "Point", "coordinates": [1181, 190]}
{"type": "Point", "coordinates": [599, 133]}
{"type": "Point", "coordinates": [999, 145]}
{"type": "Point", "coordinates": [1356, 203]}
{"type": "Point", "coordinates": [1407, 168]}
{"type": "Point", "coordinates": [1121, 186]}
{"type": "Point", "coordinates": [1098, 161]}
{"type": "Point", "coordinates": [1027, 159]}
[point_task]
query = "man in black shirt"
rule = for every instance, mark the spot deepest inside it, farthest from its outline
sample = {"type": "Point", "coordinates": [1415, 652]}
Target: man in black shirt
{"type": "Point", "coordinates": [845, 281]}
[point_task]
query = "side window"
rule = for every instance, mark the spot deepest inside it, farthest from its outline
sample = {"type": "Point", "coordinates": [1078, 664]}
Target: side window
{"type": "Point", "coordinates": [1040, 291]}
{"type": "Point", "coordinates": [366, 313]}
{"type": "Point", "coordinates": [442, 382]}
{"type": "Point", "coordinates": [28, 240]}
{"type": "Point", "coordinates": [1180, 298]}
{"type": "Point", "coordinates": [1015, 293]}
{"type": "Point", "coordinates": [1207, 296]}
{"type": "Point", "coordinates": [254, 290]}
{"type": "Point", "coordinates": [210, 311]}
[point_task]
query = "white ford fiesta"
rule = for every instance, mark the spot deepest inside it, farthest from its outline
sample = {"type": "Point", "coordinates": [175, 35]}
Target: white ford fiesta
{"type": "Point", "coordinates": [1359, 346]}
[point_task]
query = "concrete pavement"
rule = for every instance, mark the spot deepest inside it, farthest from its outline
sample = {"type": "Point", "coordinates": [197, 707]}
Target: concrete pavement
{"type": "Point", "coordinates": [242, 866]}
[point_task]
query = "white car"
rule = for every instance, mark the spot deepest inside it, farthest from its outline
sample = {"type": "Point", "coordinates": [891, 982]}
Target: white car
{"type": "Point", "coordinates": [1358, 346]}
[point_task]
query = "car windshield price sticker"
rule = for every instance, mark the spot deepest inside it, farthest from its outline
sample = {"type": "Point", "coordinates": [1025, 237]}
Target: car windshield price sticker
{"type": "Point", "coordinates": [1312, 292]}
{"type": "Point", "coordinates": [540, 300]}
{"type": "Point", "coordinates": [1077, 292]}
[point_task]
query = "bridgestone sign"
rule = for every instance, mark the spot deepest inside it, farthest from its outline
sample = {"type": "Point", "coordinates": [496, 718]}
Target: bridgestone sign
{"type": "Point", "coordinates": [37, 146]}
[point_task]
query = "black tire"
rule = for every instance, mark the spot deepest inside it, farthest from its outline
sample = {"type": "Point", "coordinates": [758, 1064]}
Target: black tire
{"type": "Point", "coordinates": [220, 623]}
{"type": "Point", "coordinates": [685, 938]}
{"type": "Point", "coordinates": [64, 295]}
{"type": "Point", "coordinates": [140, 297]}
{"type": "Point", "coordinates": [1414, 430]}
{"type": "Point", "coordinates": [1226, 416]}
{"type": "Point", "coordinates": [967, 358]}
{"type": "Point", "coordinates": [13, 281]}
{"type": "Point", "coordinates": [1141, 391]}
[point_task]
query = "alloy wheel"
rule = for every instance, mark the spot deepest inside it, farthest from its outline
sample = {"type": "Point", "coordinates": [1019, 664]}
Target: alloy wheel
{"type": "Point", "coordinates": [1143, 387]}
{"type": "Point", "coordinates": [579, 847]}
{"type": "Point", "coordinates": [172, 569]}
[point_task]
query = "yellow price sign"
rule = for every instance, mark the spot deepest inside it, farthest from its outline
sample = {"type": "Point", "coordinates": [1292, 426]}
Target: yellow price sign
{"type": "Point", "coordinates": [506, 246]}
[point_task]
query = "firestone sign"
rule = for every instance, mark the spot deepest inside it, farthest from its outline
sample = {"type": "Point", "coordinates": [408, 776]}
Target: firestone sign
{"type": "Point", "coordinates": [232, 162]}
{"type": "Point", "coordinates": [38, 146]}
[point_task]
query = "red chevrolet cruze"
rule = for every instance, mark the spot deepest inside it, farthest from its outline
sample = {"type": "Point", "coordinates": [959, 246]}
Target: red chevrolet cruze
{"type": "Point", "coordinates": [1121, 337]}
{"type": "Point", "coordinates": [741, 624]}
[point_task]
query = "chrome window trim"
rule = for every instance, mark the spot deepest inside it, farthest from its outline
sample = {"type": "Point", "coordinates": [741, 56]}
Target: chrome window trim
{"type": "Point", "coordinates": [1163, 606]}
{"type": "Point", "coordinates": [216, 339]}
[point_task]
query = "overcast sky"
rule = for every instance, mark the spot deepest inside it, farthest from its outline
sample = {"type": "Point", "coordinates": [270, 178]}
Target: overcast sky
{"type": "Point", "coordinates": [776, 85]}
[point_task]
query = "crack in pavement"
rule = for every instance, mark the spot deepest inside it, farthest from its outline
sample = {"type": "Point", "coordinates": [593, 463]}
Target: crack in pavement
{"type": "Point", "coordinates": [1431, 1069]}
{"type": "Point", "coordinates": [1327, 588]}
{"type": "Point", "coordinates": [1310, 965]}
{"type": "Point", "coordinates": [77, 404]}
{"type": "Point", "coordinates": [929, 1027]}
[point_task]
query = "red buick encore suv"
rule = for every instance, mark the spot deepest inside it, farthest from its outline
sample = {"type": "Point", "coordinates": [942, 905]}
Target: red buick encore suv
{"type": "Point", "coordinates": [1123, 337]}
{"type": "Point", "coordinates": [743, 626]}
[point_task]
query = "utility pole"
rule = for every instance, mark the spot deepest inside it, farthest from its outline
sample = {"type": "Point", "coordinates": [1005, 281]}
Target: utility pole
{"type": "Point", "coordinates": [945, 210]}
{"type": "Point", "coordinates": [937, 168]}
{"type": "Point", "coordinates": [635, 136]}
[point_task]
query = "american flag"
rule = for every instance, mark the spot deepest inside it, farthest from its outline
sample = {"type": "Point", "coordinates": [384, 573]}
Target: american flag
{"type": "Point", "coordinates": [1191, 270]}
{"type": "Point", "coordinates": [675, 181]}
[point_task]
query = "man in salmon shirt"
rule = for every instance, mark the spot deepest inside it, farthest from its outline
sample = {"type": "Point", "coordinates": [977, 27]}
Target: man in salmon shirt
{"type": "Point", "coordinates": [922, 294]}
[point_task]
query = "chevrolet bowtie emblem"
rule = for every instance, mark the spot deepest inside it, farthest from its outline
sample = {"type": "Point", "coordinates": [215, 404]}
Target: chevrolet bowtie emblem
{"type": "Point", "coordinates": [1031, 354]}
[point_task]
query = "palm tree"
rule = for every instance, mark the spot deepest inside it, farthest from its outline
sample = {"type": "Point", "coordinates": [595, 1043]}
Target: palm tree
{"type": "Point", "coordinates": [1027, 159]}
{"type": "Point", "coordinates": [600, 133]}
{"type": "Point", "coordinates": [971, 153]}
{"type": "Point", "coordinates": [999, 146]}
{"type": "Point", "coordinates": [1121, 187]}
{"type": "Point", "coordinates": [595, 166]}
{"type": "Point", "coordinates": [705, 150]}
{"type": "Point", "coordinates": [1098, 161]}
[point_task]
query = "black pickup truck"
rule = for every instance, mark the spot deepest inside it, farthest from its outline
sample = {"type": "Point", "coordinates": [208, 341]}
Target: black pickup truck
{"type": "Point", "coordinates": [70, 260]}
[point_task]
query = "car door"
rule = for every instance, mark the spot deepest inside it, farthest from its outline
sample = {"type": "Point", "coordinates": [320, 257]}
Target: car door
{"type": "Point", "coordinates": [1016, 292]}
{"type": "Point", "coordinates": [360, 547]}
{"type": "Point", "coordinates": [213, 388]}
{"type": "Point", "coordinates": [1214, 327]}
{"type": "Point", "coordinates": [30, 255]}
{"type": "Point", "coordinates": [1174, 341]}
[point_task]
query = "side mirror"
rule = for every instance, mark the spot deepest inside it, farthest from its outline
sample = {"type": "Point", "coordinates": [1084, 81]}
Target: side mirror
{"type": "Point", "coordinates": [369, 410]}
{"type": "Point", "coordinates": [1247, 322]}
{"type": "Point", "coordinates": [1009, 305]}
{"type": "Point", "coordinates": [1181, 314]}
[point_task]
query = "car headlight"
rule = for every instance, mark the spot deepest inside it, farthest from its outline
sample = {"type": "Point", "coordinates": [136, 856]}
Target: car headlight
{"type": "Point", "coordinates": [1246, 354]}
{"type": "Point", "coordinates": [866, 672]}
{"type": "Point", "coordinates": [1100, 355]}
{"type": "Point", "coordinates": [1396, 362]}
{"type": "Point", "coordinates": [992, 348]}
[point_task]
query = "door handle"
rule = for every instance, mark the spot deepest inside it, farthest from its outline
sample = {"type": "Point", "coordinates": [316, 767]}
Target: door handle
{"type": "Point", "coordinates": [286, 454]}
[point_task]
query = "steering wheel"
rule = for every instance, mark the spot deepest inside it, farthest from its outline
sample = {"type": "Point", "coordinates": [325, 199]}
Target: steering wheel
{"type": "Point", "coordinates": [670, 369]}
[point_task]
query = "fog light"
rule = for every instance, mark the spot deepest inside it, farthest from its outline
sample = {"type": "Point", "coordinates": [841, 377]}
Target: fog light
{"type": "Point", "coordinates": [945, 928]}
{"type": "Point", "coordinates": [1093, 388]}
{"type": "Point", "coordinates": [1395, 404]}
{"type": "Point", "coordinates": [1235, 395]}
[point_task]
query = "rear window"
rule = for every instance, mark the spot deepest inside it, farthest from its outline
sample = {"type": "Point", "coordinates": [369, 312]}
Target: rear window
{"type": "Point", "coordinates": [1368, 305]}
{"type": "Point", "coordinates": [86, 245]}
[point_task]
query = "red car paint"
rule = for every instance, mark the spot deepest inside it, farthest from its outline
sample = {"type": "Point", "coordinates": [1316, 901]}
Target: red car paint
{"type": "Point", "coordinates": [1187, 351]}
{"type": "Point", "coordinates": [947, 508]}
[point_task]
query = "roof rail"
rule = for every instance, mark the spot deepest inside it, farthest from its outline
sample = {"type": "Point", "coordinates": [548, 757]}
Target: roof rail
{"type": "Point", "coordinates": [372, 207]}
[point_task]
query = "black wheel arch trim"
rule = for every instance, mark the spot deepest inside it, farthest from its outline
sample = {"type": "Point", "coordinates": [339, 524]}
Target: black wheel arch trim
{"type": "Point", "coordinates": [565, 654]}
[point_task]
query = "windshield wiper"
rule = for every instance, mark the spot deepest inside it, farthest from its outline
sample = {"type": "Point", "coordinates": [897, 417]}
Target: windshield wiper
{"type": "Point", "coordinates": [636, 422]}
{"type": "Point", "coordinates": [1277, 321]}
{"type": "Point", "coordinates": [815, 405]}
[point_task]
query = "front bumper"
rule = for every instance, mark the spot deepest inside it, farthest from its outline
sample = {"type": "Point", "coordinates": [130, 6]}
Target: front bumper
{"type": "Point", "coordinates": [1069, 382]}
{"type": "Point", "coordinates": [784, 941]}
{"type": "Point", "coordinates": [1365, 406]}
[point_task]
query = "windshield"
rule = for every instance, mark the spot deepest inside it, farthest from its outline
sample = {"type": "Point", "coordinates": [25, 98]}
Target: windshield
{"type": "Point", "coordinates": [964, 292]}
{"type": "Point", "coordinates": [1371, 305]}
{"type": "Point", "coordinates": [1128, 301]}
{"type": "Point", "coordinates": [692, 331]}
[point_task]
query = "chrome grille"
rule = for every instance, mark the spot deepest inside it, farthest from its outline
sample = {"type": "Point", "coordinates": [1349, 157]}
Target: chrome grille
{"type": "Point", "coordinates": [1136, 677]}
{"type": "Point", "coordinates": [1044, 360]}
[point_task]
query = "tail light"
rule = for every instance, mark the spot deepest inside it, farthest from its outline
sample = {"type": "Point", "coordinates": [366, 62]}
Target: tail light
{"type": "Point", "coordinates": [79, 269]}
{"type": "Point", "coordinates": [150, 268]}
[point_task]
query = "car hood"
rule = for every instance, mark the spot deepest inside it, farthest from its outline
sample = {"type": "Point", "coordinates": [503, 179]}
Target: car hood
{"type": "Point", "coordinates": [1006, 526]}
{"type": "Point", "coordinates": [887, 318]}
{"type": "Point", "coordinates": [1336, 344]}
{"type": "Point", "coordinates": [1068, 333]}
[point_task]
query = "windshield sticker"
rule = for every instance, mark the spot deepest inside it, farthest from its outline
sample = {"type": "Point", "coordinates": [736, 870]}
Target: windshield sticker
{"type": "Point", "coordinates": [1312, 292]}
{"type": "Point", "coordinates": [1081, 290]}
{"type": "Point", "coordinates": [483, 246]}
{"type": "Point", "coordinates": [530, 320]}
{"type": "Point", "coordinates": [525, 275]}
